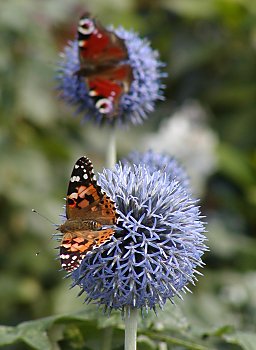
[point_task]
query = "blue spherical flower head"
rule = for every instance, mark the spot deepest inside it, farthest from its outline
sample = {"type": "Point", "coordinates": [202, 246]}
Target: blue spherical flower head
{"type": "Point", "coordinates": [145, 86]}
{"type": "Point", "coordinates": [163, 162]}
{"type": "Point", "coordinates": [156, 249]}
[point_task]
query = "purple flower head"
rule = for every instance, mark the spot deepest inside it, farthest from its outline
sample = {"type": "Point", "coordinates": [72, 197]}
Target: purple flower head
{"type": "Point", "coordinates": [159, 161]}
{"type": "Point", "coordinates": [156, 249]}
{"type": "Point", "coordinates": [134, 105]}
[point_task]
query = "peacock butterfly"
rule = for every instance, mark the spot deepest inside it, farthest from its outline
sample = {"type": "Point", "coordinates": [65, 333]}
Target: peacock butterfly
{"type": "Point", "coordinates": [103, 64]}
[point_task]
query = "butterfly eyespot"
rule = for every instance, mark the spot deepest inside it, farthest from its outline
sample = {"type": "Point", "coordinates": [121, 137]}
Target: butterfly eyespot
{"type": "Point", "coordinates": [86, 26]}
{"type": "Point", "coordinates": [104, 105]}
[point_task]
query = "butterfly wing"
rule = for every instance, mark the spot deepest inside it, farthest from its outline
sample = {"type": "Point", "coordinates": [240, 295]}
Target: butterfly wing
{"type": "Point", "coordinates": [85, 198]}
{"type": "Point", "coordinates": [87, 209]}
{"type": "Point", "coordinates": [76, 245]}
{"type": "Point", "coordinates": [102, 54]}
{"type": "Point", "coordinates": [97, 45]}
{"type": "Point", "coordinates": [107, 88]}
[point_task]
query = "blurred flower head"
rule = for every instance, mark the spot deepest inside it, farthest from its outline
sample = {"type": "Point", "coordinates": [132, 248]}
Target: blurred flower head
{"type": "Point", "coordinates": [187, 135]}
{"type": "Point", "coordinates": [159, 161]}
{"type": "Point", "coordinates": [134, 105]}
{"type": "Point", "coordinates": [156, 249]}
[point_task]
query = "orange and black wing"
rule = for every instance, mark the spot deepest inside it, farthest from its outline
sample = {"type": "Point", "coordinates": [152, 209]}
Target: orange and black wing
{"type": "Point", "coordinates": [75, 246]}
{"type": "Point", "coordinates": [85, 198]}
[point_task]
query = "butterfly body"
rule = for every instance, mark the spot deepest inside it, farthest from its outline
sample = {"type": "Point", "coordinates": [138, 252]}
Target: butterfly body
{"type": "Point", "coordinates": [89, 210]}
{"type": "Point", "coordinates": [103, 65]}
{"type": "Point", "coordinates": [77, 225]}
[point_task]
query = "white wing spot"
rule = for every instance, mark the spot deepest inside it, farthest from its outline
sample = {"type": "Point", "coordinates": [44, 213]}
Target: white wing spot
{"type": "Point", "coordinates": [93, 93]}
{"type": "Point", "coordinates": [85, 176]}
{"type": "Point", "coordinates": [75, 178]}
{"type": "Point", "coordinates": [64, 256]}
{"type": "Point", "coordinates": [81, 43]}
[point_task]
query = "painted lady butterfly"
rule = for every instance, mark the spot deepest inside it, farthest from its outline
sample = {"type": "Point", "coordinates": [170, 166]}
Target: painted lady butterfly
{"type": "Point", "coordinates": [88, 208]}
{"type": "Point", "coordinates": [102, 57]}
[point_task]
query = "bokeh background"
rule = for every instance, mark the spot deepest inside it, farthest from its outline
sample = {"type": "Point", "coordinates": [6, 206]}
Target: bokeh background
{"type": "Point", "coordinates": [207, 121]}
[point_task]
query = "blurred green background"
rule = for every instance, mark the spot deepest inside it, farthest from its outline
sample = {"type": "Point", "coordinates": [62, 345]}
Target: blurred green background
{"type": "Point", "coordinates": [210, 52]}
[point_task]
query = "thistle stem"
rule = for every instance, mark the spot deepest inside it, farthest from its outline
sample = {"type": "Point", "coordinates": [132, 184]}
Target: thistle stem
{"type": "Point", "coordinates": [131, 321]}
{"type": "Point", "coordinates": [111, 150]}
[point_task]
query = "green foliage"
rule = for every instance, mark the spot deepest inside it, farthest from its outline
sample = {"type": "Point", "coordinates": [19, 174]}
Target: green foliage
{"type": "Point", "coordinates": [82, 331]}
{"type": "Point", "coordinates": [209, 48]}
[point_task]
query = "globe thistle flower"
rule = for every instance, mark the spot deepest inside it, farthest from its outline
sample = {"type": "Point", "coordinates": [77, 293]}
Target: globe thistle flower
{"type": "Point", "coordinates": [145, 89]}
{"type": "Point", "coordinates": [159, 161]}
{"type": "Point", "coordinates": [156, 249]}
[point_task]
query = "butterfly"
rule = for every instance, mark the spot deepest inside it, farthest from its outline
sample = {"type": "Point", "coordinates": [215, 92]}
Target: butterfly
{"type": "Point", "coordinates": [88, 209]}
{"type": "Point", "coordinates": [103, 65]}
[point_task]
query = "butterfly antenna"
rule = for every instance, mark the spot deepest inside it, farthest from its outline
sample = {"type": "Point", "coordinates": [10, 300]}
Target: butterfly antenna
{"type": "Point", "coordinates": [44, 217]}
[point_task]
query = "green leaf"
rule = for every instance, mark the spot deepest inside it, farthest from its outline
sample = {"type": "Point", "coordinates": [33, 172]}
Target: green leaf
{"type": "Point", "coordinates": [235, 165]}
{"type": "Point", "coordinates": [185, 343]}
{"type": "Point", "coordinates": [37, 339]}
{"type": "Point", "coordinates": [32, 333]}
{"type": "Point", "coordinates": [35, 333]}
{"type": "Point", "coordinates": [145, 343]}
{"type": "Point", "coordinates": [246, 340]}
{"type": "Point", "coordinates": [220, 331]}
{"type": "Point", "coordinates": [8, 335]}
{"type": "Point", "coordinates": [191, 8]}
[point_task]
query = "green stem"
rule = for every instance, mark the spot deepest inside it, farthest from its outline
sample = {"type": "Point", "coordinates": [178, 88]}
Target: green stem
{"type": "Point", "coordinates": [131, 321]}
{"type": "Point", "coordinates": [111, 150]}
